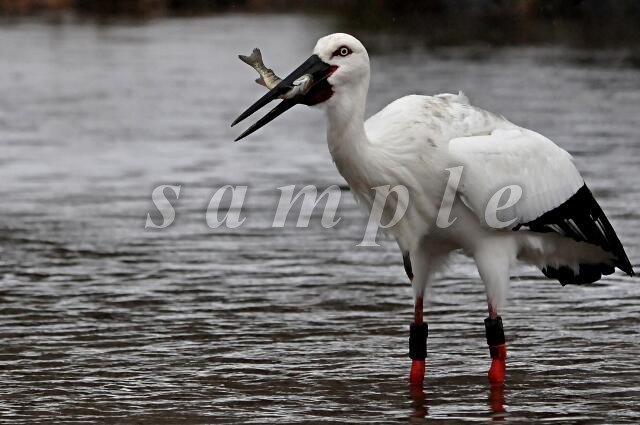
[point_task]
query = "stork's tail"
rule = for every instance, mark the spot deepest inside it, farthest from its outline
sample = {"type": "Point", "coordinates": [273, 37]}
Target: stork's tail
{"type": "Point", "coordinates": [564, 259]}
{"type": "Point", "coordinates": [574, 243]}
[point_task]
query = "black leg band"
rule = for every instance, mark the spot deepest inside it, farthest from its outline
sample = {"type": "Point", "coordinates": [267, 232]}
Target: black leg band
{"type": "Point", "coordinates": [494, 330]}
{"type": "Point", "coordinates": [494, 352]}
{"type": "Point", "coordinates": [418, 341]}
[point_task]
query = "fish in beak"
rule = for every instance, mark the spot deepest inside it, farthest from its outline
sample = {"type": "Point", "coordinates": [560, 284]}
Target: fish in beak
{"type": "Point", "coordinates": [307, 85]}
{"type": "Point", "coordinates": [268, 78]}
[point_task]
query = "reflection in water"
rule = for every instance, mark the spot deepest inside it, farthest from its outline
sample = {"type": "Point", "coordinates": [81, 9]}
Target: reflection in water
{"type": "Point", "coordinates": [497, 402]}
{"type": "Point", "coordinates": [418, 401]}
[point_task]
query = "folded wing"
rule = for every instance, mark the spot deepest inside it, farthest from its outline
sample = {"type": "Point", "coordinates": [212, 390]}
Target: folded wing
{"type": "Point", "coordinates": [554, 197]}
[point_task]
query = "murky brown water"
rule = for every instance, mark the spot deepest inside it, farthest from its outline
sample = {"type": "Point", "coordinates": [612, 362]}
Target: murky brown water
{"type": "Point", "coordinates": [102, 320]}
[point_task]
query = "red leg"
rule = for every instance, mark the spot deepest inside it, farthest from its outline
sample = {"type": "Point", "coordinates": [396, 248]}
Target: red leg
{"type": "Point", "coordinates": [497, 347]}
{"type": "Point", "coordinates": [418, 345]}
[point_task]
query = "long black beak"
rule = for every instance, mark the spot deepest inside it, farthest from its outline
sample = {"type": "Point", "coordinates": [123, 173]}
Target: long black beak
{"type": "Point", "coordinates": [313, 66]}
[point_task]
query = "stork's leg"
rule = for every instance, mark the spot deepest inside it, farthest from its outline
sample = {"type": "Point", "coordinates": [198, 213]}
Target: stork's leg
{"type": "Point", "coordinates": [418, 330]}
{"type": "Point", "coordinates": [497, 346]}
{"type": "Point", "coordinates": [493, 264]}
{"type": "Point", "coordinates": [418, 343]}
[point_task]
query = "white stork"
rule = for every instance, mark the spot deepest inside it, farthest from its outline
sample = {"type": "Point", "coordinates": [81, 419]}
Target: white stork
{"type": "Point", "coordinates": [557, 225]}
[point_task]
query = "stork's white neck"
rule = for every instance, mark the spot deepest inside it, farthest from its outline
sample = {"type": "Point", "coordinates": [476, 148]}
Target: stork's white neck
{"type": "Point", "coordinates": [345, 122]}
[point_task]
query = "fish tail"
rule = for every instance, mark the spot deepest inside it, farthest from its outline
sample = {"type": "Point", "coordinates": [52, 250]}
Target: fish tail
{"type": "Point", "coordinates": [267, 78]}
{"type": "Point", "coordinates": [254, 59]}
{"type": "Point", "coordinates": [257, 57]}
{"type": "Point", "coordinates": [246, 59]}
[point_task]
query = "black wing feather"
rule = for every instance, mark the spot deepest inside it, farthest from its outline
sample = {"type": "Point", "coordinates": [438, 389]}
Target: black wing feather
{"type": "Point", "coordinates": [581, 218]}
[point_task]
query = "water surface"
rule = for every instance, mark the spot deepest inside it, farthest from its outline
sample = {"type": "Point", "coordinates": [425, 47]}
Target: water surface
{"type": "Point", "coordinates": [101, 319]}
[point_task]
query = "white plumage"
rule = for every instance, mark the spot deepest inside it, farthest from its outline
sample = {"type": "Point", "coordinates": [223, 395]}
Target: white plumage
{"type": "Point", "coordinates": [415, 139]}
{"type": "Point", "coordinates": [518, 156]}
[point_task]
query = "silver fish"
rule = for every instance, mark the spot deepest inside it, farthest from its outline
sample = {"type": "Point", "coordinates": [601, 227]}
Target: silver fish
{"type": "Point", "coordinates": [269, 79]}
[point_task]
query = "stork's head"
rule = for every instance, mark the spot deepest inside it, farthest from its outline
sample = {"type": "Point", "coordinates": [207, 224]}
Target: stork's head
{"type": "Point", "coordinates": [338, 68]}
{"type": "Point", "coordinates": [348, 57]}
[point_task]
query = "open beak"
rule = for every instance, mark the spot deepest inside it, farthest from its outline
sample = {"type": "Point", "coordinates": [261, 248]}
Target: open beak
{"type": "Point", "coordinates": [318, 91]}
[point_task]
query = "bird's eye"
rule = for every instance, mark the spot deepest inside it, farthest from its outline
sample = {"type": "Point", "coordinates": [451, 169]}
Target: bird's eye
{"type": "Point", "coordinates": [342, 51]}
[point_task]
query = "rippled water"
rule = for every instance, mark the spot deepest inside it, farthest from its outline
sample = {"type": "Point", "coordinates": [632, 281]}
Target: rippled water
{"type": "Point", "coordinates": [101, 319]}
